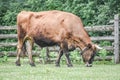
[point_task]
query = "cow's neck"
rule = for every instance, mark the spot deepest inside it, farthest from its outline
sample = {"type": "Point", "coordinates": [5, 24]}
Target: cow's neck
{"type": "Point", "coordinates": [83, 44]}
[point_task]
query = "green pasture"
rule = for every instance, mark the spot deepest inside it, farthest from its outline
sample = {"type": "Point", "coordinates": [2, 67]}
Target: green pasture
{"type": "Point", "coordinates": [9, 71]}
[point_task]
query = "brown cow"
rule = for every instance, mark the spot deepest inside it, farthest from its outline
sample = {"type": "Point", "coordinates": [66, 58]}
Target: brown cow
{"type": "Point", "coordinates": [50, 28]}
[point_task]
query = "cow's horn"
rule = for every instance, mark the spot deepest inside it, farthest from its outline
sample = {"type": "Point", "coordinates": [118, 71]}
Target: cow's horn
{"type": "Point", "coordinates": [98, 47]}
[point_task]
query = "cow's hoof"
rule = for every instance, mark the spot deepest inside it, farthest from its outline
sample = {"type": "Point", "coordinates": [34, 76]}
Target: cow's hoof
{"type": "Point", "coordinates": [32, 64]}
{"type": "Point", "coordinates": [17, 63]}
{"type": "Point", "coordinates": [69, 65]}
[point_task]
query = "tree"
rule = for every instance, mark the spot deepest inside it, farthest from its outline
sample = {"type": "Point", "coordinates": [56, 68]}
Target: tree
{"type": "Point", "coordinates": [91, 12]}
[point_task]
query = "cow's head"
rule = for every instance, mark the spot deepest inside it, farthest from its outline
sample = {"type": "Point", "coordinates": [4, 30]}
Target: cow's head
{"type": "Point", "coordinates": [89, 53]}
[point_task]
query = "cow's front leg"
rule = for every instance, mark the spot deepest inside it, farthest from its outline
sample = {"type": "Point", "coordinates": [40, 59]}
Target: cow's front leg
{"type": "Point", "coordinates": [29, 45]}
{"type": "Point", "coordinates": [69, 64]}
{"type": "Point", "coordinates": [57, 64]}
{"type": "Point", "coordinates": [64, 47]}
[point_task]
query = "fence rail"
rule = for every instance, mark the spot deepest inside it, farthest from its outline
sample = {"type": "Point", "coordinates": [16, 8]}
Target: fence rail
{"type": "Point", "coordinates": [114, 28]}
{"type": "Point", "coordinates": [8, 27]}
{"type": "Point", "coordinates": [5, 36]}
{"type": "Point", "coordinates": [88, 28]}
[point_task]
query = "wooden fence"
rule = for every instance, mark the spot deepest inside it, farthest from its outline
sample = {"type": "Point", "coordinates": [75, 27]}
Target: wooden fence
{"type": "Point", "coordinates": [114, 28]}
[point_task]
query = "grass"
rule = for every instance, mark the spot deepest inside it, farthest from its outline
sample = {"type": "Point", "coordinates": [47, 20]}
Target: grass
{"type": "Point", "coordinates": [8, 71]}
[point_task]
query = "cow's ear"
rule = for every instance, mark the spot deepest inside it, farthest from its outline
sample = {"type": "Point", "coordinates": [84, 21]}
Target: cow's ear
{"type": "Point", "coordinates": [89, 45]}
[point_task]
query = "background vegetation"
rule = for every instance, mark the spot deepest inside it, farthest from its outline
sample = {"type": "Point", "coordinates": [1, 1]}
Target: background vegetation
{"type": "Point", "coordinates": [92, 12]}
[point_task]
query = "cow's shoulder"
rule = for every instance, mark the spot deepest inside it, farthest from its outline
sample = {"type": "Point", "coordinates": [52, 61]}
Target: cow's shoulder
{"type": "Point", "coordinates": [24, 16]}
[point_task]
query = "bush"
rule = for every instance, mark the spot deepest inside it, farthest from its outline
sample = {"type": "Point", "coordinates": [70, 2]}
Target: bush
{"type": "Point", "coordinates": [4, 58]}
{"type": "Point", "coordinates": [91, 12]}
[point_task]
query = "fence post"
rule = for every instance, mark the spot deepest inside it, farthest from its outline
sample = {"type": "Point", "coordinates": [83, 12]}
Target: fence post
{"type": "Point", "coordinates": [116, 39]}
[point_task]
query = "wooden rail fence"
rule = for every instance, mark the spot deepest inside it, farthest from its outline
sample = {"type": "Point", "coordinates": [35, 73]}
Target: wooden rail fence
{"type": "Point", "coordinates": [114, 28]}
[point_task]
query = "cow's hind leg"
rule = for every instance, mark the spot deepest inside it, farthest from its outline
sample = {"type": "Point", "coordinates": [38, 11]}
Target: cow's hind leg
{"type": "Point", "coordinates": [18, 57]}
{"type": "Point", "coordinates": [29, 45]}
{"type": "Point", "coordinates": [19, 51]}
{"type": "Point", "coordinates": [47, 55]}
{"type": "Point", "coordinates": [57, 63]}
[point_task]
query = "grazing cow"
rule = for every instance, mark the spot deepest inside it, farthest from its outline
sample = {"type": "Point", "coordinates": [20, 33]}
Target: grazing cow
{"type": "Point", "coordinates": [49, 28]}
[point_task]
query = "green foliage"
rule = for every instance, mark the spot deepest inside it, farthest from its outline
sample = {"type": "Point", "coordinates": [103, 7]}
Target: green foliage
{"type": "Point", "coordinates": [75, 56]}
{"type": "Point", "coordinates": [43, 55]}
{"type": "Point", "coordinates": [7, 48]}
{"type": "Point", "coordinates": [53, 54]}
{"type": "Point", "coordinates": [103, 53]}
{"type": "Point", "coordinates": [104, 43]}
{"type": "Point", "coordinates": [91, 12]}
{"type": "Point", "coordinates": [4, 58]}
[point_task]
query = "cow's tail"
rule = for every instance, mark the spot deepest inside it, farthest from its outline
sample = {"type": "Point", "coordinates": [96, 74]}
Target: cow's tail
{"type": "Point", "coordinates": [24, 51]}
{"type": "Point", "coordinates": [26, 45]}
